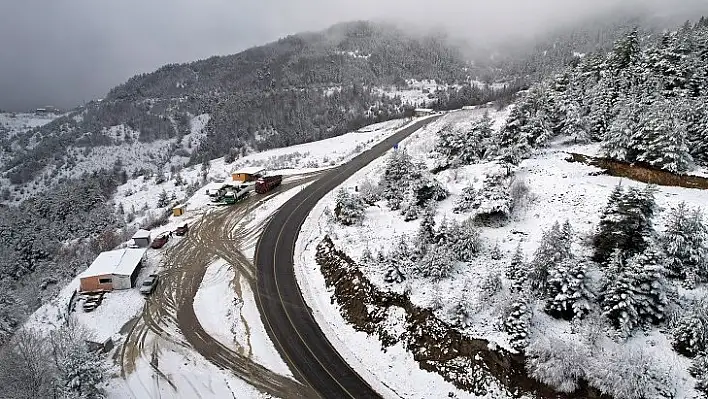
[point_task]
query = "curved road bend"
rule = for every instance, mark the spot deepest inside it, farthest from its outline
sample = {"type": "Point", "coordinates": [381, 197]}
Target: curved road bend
{"type": "Point", "coordinates": [287, 318]}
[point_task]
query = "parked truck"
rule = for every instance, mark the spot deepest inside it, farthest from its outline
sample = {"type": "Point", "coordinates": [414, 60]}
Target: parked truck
{"type": "Point", "coordinates": [236, 194]}
{"type": "Point", "coordinates": [267, 183]}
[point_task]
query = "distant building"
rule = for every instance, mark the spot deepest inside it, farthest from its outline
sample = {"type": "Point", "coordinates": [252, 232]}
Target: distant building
{"type": "Point", "coordinates": [247, 174]}
{"type": "Point", "coordinates": [469, 107]}
{"type": "Point", "coordinates": [423, 112]}
{"type": "Point", "coordinates": [141, 238]}
{"type": "Point", "coordinates": [113, 270]}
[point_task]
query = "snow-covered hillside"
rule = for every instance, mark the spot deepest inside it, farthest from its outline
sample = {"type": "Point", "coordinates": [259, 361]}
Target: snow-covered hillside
{"type": "Point", "coordinates": [466, 294]}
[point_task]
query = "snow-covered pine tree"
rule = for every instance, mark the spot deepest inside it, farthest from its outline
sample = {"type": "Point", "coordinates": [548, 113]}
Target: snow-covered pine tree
{"type": "Point", "coordinates": [437, 264]}
{"type": "Point", "coordinates": [396, 178]}
{"type": "Point", "coordinates": [699, 370]}
{"type": "Point", "coordinates": [696, 132]}
{"type": "Point", "coordinates": [685, 242]}
{"type": "Point", "coordinates": [464, 240]}
{"type": "Point", "coordinates": [349, 208]}
{"type": "Point", "coordinates": [690, 334]}
{"type": "Point", "coordinates": [619, 303]}
{"type": "Point", "coordinates": [663, 139]}
{"type": "Point", "coordinates": [568, 294]}
{"type": "Point", "coordinates": [574, 125]}
{"type": "Point", "coordinates": [517, 323]}
{"type": "Point", "coordinates": [466, 201]}
{"type": "Point", "coordinates": [496, 252]}
{"type": "Point", "coordinates": [554, 248]}
{"type": "Point", "coordinates": [426, 231]}
{"type": "Point", "coordinates": [650, 287]}
{"type": "Point", "coordinates": [163, 200]}
{"type": "Point", "coordinates": [517, 271]}
{"type": "Point", "coordinates": [80, 372]}
{"type": "Point", "coordinates": [626, 223]}
{"type": "Point", "coordinates": [618, 141]}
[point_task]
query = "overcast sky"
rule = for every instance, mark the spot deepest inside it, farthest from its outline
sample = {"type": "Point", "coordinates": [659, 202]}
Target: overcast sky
{"type": "Point", "coordinates": [66, 52]}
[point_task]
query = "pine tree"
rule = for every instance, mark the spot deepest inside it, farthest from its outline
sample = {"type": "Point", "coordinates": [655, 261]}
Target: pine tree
{"type": "Point", "coordinates": [517, 272]}
{"type": "Point", "coordinates": [619, 304]}
{"type": "Point", "coordinates": [426, 231]}
{"type": "Point", "coordinates": [569, 295]}
{"type": "Point", "coordinates": [554, 248]}
{"type": "Point", "coordinates": [699, 370]}
{"type": "Point", "coordinates": [517, 324]}
{"type": "Point", "coordinates": [685, 242]}
{"type": "Point", "coordinates": [690, 334]}
{"type": "Point", "coordinates": [464, 241]}
{"type": "Point", "coordinates": [664, 142]}
{"type": "Point", "coordinates": [162, 200]}
{"type": "Point", "coordinates": [496, 253]}
{"type": "Point", "coordinates": [466, 200]}
{"type": "Point", "coordinates": [349, 208]}
{"type": "Point", "coordinates": [437, 264]}
{"type": "Point", "coordinates": [649, 286]}
{"type": "Point", "coordinates": [626, 223]}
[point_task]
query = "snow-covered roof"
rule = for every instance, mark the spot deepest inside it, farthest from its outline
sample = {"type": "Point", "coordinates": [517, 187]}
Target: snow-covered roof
{"type": "Point", "coordinates": [423, 110]}
{"type": "Point", "coordinates": [120, 262]}
{"type": "Point", "coordinates": [142, 233]}
{"type": "Point", "coordinates": [250, 170]}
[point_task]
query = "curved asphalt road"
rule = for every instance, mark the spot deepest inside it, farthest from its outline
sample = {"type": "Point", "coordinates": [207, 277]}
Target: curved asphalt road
{"type": "Point", "coordinates": [285, 315]}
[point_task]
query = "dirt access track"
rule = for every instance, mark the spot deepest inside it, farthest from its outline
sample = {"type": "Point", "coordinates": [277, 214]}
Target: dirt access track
{"type": "Point", "coordinates": [169, 319]}
{"type": "Point", "coordinates": [640, 172]}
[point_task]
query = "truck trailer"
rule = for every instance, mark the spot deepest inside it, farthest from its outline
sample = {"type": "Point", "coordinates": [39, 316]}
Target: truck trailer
{"type": "Point", "coordinates": [267, 183]}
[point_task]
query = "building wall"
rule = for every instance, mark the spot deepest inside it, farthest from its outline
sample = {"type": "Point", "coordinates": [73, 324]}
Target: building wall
{"type": "Point", "coordinates": [95, 283]}
{"type": "Point", "coordinates": [142, 242]}
{"type": "Point", "coordinates": [244, 177]}
{"type": "Point", "coordinates": [121, 282]}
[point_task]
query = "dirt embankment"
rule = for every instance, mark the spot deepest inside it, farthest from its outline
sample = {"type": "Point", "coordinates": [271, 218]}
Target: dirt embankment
{"type": "Point", "coordinates": [640, 172]}
{"type": "Point", "coordinates": [467, 363]}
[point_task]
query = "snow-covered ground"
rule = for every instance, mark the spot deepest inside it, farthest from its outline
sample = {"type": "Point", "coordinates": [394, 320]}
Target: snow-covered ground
{"type": "Point", "coordinates": [559, 190]}
{"type": "Point", "coordinates": [234, 320]}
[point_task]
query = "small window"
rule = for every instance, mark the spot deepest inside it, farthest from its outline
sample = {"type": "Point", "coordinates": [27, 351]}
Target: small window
{"type": "Point", "coordinates": [105, 280]}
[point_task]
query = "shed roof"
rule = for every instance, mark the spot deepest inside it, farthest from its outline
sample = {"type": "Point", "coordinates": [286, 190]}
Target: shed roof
{"type": "Point", "coordinates": [424, 110]}
{"type": "Point", "coordinates": [142, 233]}
{"type": "Point", "coordinates": [249, 170]}
{"type": "Point", "coordinates": [120, 262]}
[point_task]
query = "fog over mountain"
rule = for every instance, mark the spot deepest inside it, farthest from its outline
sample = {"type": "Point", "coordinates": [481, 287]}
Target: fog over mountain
{"type": "Point", "coordinates": [66, 53]}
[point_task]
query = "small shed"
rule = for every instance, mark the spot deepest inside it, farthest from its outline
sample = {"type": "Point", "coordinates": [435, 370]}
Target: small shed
{"type": "Point", "coordinates": [113, 270]}
{"type": "Point", "coordinates": [423, 111]}
{"type": "Point", "coordinates": [178, 210]}
{"type": "Point", "coordinates": [141, 238]}
{"type": "Point", "coordinates": [247, 174]}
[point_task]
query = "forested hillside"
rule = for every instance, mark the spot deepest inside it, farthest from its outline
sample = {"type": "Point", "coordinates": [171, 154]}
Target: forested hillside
{"type": "Point", "coordinates": [645, 101]}
{"type": "Point", "coordinates": [301, 88]}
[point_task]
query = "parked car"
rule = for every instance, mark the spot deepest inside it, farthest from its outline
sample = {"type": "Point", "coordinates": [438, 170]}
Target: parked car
{"type": "Point", "coordinates": [182, 229]}
{"type": "Point", "coordinates": [160, 241]}
{"type": "Point", "coordinates": [149, 285]}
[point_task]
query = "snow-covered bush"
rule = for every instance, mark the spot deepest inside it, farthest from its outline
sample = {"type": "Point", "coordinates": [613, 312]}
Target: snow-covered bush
{"type": "Point", "coordinates": [631, 373]}
{"type": "Point", "coordinates": [556, 362]}
{"type": "Point", "coordinates": [493, 203]}
{"type": "Point", "coordinates": [568, 293]}
{"type": "Point", "coordinates": [349, 208]}
{"type": "Point", "coordinates": [370, 192]}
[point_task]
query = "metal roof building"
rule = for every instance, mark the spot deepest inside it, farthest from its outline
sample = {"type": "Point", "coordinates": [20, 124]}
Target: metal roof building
{"type": "Point", "coordinates": [113, 270]}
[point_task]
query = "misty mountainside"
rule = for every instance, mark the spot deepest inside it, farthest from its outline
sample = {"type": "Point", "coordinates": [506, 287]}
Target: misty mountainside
{"type": "Point", "coordinates": [301, 88]}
